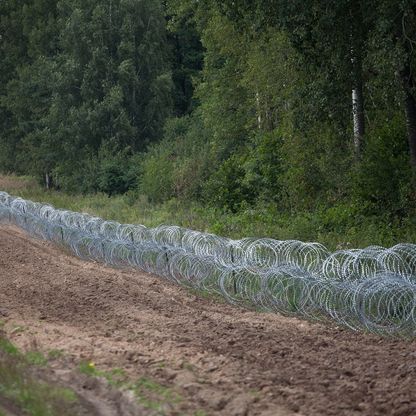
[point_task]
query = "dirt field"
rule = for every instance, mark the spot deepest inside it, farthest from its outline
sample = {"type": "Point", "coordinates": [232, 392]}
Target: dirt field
{"type": "Point", "coordinates": [217, 358]}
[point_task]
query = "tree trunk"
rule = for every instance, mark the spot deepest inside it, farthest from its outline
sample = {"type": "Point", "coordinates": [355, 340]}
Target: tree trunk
{"type": "Point", "coordinates": [258, 107]}
{"type": "Point", "coordinates": [358, 106]}
{"type": "Point", "coordinates": [48, 180]}
{"type": "Point", "coordinates": [357, 44]}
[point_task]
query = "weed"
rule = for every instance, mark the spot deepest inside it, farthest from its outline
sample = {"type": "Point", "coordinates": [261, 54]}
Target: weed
{"type": "Point", "coordinates": [115, 377]}
{"type": "Point", "coordinates": [7, 347]}
{"type": "Point", "coordinates": [89, 369]}
{"type": "Point", "coordinates": [55, 354]}
{"type": "Point", "coordinates": [36, 358]}
{"type": "Point", "coordinates": [149, 393]}
{"type": "Point", "coordinates": [23, 388]}
{"type": "Point", "coordinates": [153, 395]}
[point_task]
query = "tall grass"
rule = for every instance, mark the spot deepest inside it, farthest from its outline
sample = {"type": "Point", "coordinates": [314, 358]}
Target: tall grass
{"type": "Point", "coordinates": [338, 227]}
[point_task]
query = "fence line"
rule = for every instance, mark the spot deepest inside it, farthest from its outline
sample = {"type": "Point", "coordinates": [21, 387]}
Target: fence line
{"type": "Point", "coordinates": [371, 289]}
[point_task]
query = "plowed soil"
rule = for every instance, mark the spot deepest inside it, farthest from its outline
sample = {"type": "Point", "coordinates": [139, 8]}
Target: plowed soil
{"type": "Point", "coordinates": [218, 358]}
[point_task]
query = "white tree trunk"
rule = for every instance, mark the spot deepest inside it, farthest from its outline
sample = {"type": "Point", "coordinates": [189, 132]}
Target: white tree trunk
{"type": "Point", "coordinates": [258, 106]}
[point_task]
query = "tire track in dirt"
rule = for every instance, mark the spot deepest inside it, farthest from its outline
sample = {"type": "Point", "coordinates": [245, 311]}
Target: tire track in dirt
{"type": "Point", "coordinates": [219, 358]}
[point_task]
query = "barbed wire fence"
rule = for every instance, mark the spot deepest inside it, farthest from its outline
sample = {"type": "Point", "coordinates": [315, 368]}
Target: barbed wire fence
{"type": "Point", "coordinates": [371, 289]}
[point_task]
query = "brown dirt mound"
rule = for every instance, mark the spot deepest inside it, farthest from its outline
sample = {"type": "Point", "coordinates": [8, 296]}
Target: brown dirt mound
{"type": "Point", "coordinates": [218, 358]}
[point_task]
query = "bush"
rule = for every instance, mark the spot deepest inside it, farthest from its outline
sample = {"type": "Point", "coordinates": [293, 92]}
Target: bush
{"type": "Point", "coordinates": [225, 188]}
{"type": "Point", "coordinates": [116, 175]}
{"type": "Point", "coordinates": [383, 178]}
{"type": "Point", "coordinates": [263, 166]}
{"type": "Point", "coordinates": [157, 169]}
{"type": "Point", "coordinates": [179, 164]}
{"type": "Point", "coordinates": [248, 176]}
{"type": "Point", "coordinates": [315, 168]}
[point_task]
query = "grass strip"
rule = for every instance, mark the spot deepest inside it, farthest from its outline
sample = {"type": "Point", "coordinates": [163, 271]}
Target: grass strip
{"type": "Point", "coordinates": [21, 385]}
{"type": "Point", "coordinates": [338, 227]}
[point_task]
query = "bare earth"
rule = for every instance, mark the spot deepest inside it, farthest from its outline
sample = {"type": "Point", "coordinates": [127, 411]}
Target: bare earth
{"type": "Point", "coordinates": [222, 359]}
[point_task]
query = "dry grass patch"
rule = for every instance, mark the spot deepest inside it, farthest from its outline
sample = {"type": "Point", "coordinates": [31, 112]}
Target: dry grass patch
{"type": "Point", "coordinates": [10, 183]}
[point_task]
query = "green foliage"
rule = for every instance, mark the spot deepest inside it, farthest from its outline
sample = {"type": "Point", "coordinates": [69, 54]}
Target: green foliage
{"type": "Point", "coordinates": [225, 187]}
{"type": "Point", "coordinates": [263, 166]}
{"type": "Point", "coordinates": [7, 347]}
{"type": "Point", "coordinates": [153, 395]}
{"type": "Point", "coordinates": [314, 167]}
{"type": "Point", "coordinates": [21, 386]}
{"type": "Point", "coordinates": [157, 179]}
{"type": "Point", "coordinates": [270, 76]}
{"type": "Point", "coordinates": [344, 224]}
{"type": "Point", "coordinates": [261, 94]}
{"type": "Point", "coordinates": [382, 177]}
{"type": "Point", "coordinates": [186, 55]}
{"type": "Point", "coordinates": [116, 171]}
{"type": "Point", "coordinates": [86, 74]}
{"type": "Point", "coordinates": [36, 358]}
{"type": "Point", "coordinates": [148, 392]}
{"type": "Point", "coordinates": [178, 165]}
{"type": "Point", "coordinates": [224, 102]}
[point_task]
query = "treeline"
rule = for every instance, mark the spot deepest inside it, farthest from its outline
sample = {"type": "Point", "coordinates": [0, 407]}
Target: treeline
{"type": "Point", "coordinates": [84, 85]}
{"type": "Point", "coordinates": [235, 104]}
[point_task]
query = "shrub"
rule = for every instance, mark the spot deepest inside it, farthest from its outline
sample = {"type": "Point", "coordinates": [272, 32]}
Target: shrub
{"type": "Point", "coordinates": [178, 165]}
{"type": "Point", "coordinates": [382, 179]}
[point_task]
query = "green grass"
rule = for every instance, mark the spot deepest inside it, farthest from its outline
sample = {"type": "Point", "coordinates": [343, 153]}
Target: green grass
{"type": "Point", "coordinates": [153, 395]}
{"type": "Point", "coordinates": [21, 385]}
{"type": "Point", "coordinates": [338, 227]}
{"type": "Point", "coordinates": [148, 392]}
{"type": "Point", "coordinates": [8, 348]}
{"type": "Point", "coordinates": [55, 354]}
{"type": "Point", "coordinates": [36, 358]}
{"type": "Point", "coordinates": [116, 377]}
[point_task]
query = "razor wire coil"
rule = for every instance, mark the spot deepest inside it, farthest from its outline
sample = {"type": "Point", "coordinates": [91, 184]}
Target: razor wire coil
{"type": "Point", "coordinates": [371, 289]}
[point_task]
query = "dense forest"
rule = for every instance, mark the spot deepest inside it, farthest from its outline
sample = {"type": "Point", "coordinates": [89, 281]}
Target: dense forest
{"type": "Point", "coordinates": [278, 106]}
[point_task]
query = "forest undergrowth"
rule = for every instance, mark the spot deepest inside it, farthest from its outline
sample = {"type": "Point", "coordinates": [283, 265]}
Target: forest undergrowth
{"type": "Point", "coordinates": [335, 227]}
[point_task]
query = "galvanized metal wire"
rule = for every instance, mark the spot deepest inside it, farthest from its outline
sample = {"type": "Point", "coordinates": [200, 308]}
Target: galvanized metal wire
{"type": "Point", "coordinates": [371, 289]}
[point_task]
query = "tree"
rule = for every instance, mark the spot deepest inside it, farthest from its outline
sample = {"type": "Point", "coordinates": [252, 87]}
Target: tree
{"type": "Point", "coordinates": [329, 35]}
{"type": "Point", "coordinates": [82, 74]}
{"type": "Point", "coordinates": [401, 27]}
{"type": "Point", "coordinates": [186, 54]}
{"type": "Point", "coordinates": [30, 35]}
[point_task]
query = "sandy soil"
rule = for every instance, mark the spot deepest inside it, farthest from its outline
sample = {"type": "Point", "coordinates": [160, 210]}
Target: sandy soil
{"type": "Point", "coordinates": [222, 359]}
